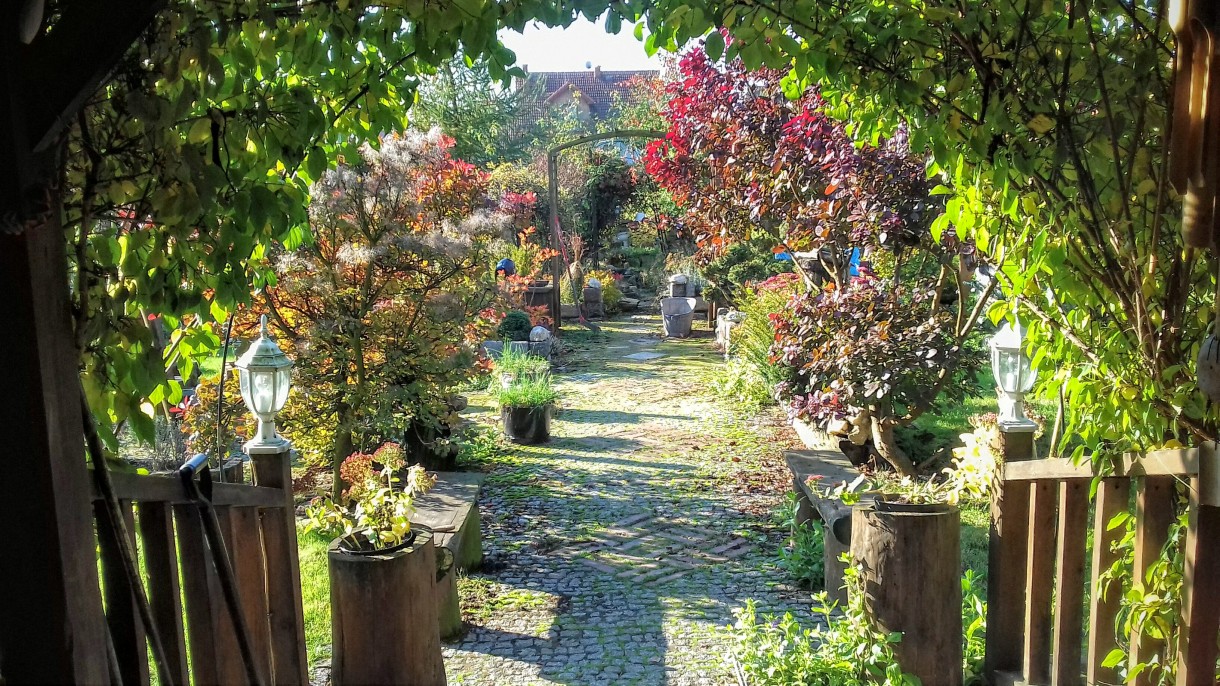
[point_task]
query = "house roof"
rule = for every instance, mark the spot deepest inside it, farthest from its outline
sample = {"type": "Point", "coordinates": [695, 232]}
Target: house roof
{"type": "Point", "coordinates": [596, 87]}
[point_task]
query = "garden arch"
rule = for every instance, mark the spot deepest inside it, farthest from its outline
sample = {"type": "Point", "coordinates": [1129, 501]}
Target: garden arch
{"type": "Point", "coordinates": [552, 169]}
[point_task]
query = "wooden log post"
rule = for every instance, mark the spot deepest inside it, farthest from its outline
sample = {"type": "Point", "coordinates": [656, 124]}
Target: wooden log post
{"type": "Point", "coordinates": [384, 624]}
{"type": "Point", "coordinates": [448, 608]}
{"type": "Point", "coordinates": [910, 569]}
{"type": "Point", "coordinates": [54, 629]}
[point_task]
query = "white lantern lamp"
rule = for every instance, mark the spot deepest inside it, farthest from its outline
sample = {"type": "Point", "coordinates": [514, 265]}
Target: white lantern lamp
{"type": "Point", "coordinates": [1014, 377]}
{"type": "Point", "coordinates": [266, 376]}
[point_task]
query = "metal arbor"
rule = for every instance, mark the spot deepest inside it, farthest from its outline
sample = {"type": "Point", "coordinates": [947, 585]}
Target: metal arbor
{"type": "Point", "coordinates": [552, 168]}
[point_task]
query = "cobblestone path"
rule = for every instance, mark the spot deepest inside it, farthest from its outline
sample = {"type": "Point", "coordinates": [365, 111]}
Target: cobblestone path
{"type": "Point", "coordinates": [617, 552]}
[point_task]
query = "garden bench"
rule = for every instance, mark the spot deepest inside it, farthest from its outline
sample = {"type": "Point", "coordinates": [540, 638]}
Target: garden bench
{"type": "Point", "coordinates": [451, 510]}
{"type": "Point", "coordinates": [827, 469]}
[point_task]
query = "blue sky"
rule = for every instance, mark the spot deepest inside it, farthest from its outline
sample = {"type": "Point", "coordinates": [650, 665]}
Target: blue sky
{"type": "Point", "coordinates": [544, 49]}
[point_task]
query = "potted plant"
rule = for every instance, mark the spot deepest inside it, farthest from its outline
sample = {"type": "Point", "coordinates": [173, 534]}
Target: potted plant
{"type": "Point", "coordinates": [526, 409]}
{"type": "Point", "coordinates": [905, 530]}
{"type": "Point", "coordinates": [383, 574]}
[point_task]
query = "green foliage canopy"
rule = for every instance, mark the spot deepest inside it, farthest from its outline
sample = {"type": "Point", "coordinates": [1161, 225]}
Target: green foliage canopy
{"type": "Point", "coordinates": [1049, 122]}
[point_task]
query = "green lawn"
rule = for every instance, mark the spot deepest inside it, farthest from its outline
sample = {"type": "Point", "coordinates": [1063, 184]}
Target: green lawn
{"type": "Point", "coordinates": [315, 594]}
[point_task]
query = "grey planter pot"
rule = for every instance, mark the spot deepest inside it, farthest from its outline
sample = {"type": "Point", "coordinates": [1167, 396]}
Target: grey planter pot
{"type": "Point", "coordinates": [527, 425]}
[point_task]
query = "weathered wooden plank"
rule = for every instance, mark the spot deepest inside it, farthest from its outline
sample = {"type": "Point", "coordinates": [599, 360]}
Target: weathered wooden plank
{"type": "Point", "coordinates": [1153, 516]}
{"type": "Point", "coordinates": [1197, 632]}
{"type": "Point", "coordinates": [1170, 462]}
{"type": "Point", "coordinates": [249, 572]}
{"type": "Point", "coordinates": [287, 617]}
{"type": "Point", "coordinates": [168, 489]}
{"type": "Point", "coordinates": [1069, 583]}
{"type": "Point", "coordinates": [1008, 550]}
{"type": "Point", "coordinates": [829, 467]}
{"type": "Point", "coordinates": [230, 668]}
{"type": "Point", "coordinates": [1039, 582]}
{"type": "Point", "coordinates": [160, 555]}
{"type": "Point", "coordinates": [122, 615]}
{"type": "Point", "coordinates": [1113, 496]}
{"type": "Point", "coordinates": [1051, 468]}
{"type": "Point", "coordinates": [201, 610]}
{"type": "Point", "coordinates": [1176, 462]}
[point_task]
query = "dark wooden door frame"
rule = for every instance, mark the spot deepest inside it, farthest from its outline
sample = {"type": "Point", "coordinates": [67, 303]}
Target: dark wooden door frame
{"type": "Point", "coordinates": [53, 629]}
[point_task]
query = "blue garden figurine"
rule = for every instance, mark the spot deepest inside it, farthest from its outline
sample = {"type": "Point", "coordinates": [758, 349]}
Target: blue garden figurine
{"type": "Point", "coordinates": [505, 268]}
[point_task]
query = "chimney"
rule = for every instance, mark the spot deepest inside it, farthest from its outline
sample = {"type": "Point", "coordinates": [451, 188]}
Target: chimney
{"type": "Point", "coordinates": [597, 72]}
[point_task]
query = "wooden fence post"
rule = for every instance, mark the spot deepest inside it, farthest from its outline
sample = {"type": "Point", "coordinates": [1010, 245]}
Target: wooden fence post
{"type": "Point", "coordinates": [273, 469]}
{"type": "Point", "coordinates": [54, 630]}
{"type": "Point", "coordinates": [1201, 577]}
{"type": "Point", "coordinates": [1007, 554]}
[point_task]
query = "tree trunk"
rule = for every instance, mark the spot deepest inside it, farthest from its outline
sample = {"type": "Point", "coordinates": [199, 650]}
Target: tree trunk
{"type": "Point", "coordinates": [887, 446]}
{"type": "Point", "coordinates": [910, 568]}
{"type": "Point", "coordinates": [343, 446]}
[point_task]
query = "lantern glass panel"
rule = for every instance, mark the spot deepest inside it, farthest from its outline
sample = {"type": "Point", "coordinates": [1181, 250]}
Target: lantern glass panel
{"type": "Point", "coordinates": [246, 395]}
{"type": "Point", "coordinates": [1014, 374]}
{"type": "Point", "coordinates": [283, 382]}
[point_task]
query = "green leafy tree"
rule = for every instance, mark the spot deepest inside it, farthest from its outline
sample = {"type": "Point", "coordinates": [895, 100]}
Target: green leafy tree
{"type": "Point", "coordinates": [199, 153]}
{"type": "Point", "coordinates": [486, 119]}
{"type": "Point", "coordinates": [1049, 123]}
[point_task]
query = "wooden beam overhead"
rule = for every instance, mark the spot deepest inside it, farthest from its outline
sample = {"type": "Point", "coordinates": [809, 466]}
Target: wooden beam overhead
{"type": "Point", "coordinates": [71, 59]}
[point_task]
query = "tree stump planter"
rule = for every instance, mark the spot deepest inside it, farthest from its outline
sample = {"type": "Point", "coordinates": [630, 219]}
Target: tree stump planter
{"type": "Point", "coordinates": [527, 425]}
{"type": "Point", "coordinates": [384, 623]}
{"type": "Point", "coordinates": [910, 560]}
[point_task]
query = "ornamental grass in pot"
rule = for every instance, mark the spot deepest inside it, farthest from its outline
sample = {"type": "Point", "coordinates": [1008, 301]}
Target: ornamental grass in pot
{"type": "Point", "coordinates": [526, 409]}
{"type": "Point", "coordinates": [515, 366]}
{"type": "Point", "coordinates": [383, 573]}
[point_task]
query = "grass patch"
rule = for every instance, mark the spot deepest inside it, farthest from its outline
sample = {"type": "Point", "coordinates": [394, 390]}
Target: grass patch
{"type": "Point", "coordinates": [487, 602]}
{"type": "Point", "coordinates": [976, 528]}
{"type": "Point", "coordinates": [315, 594]}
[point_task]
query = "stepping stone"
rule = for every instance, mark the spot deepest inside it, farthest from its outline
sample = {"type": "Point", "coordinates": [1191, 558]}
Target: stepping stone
{"type": "Point", "coordinates": [642, 356]}
{"type": "Point", "coordinates": [645, 341]}
{"type": "Point", "coordinates": [597, 565]}
{"type": "Point", "coordinates": [633, 519]}
{"type": "Point", "coordinates": [672, 577]}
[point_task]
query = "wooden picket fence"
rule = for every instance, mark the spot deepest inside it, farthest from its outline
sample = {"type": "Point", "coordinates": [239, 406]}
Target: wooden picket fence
{"type": "Point", "coordinates": [1041, 628]}
{"type": "Point", "coordinates": [188, 606]}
